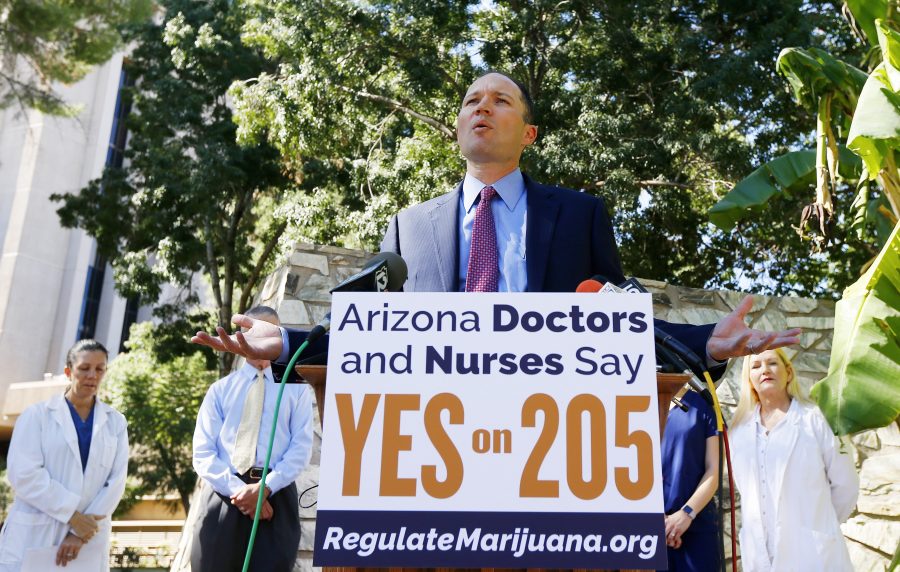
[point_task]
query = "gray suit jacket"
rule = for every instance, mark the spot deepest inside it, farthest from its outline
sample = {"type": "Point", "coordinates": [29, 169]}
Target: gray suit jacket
{"type": "Point", "coordinates": [568, 239]}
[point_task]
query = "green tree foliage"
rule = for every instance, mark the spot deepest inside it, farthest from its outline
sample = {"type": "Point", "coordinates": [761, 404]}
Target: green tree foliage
{"type": "Point", "coordinates": [189, 199]}
{"type": "Point", "coordinates": [656, 106]}
{"type": "Point", "coordinates": [158, 385]}
{"type": "Point", "coordinates": [852, 107]}
{"type": "Point", "coordinates": [861, 390]}
{"type": "Point", "coordinates": [46, 41]}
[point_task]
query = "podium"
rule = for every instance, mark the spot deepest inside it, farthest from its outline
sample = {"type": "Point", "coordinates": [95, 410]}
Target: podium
{"type": "Point", "coordinates": [667, 385]}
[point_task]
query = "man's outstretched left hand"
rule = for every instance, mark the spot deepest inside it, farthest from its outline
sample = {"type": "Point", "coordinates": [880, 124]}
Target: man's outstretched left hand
{"type": "Point", "coordinates": [732, 337]}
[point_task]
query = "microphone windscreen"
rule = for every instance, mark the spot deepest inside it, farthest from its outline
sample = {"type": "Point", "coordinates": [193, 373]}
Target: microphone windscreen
{"type": "Point", "coordinates": [384, 271]}
{"type": "Point", "coordinates": [633, 285]}
{"type": "Point", "coordinates": [611, 288]}
{"type": "Point", "coordinates": [589, 285]}
{"type": "Point", "coordinates": [397, 270]}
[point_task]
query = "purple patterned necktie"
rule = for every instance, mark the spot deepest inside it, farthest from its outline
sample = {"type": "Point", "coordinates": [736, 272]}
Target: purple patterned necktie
{"type": "Point", "coordinates": [483, 273]}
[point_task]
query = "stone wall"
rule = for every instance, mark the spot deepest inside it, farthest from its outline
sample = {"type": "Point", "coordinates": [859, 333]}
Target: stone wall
{"type": "Point", "coordinates": [299, 291]}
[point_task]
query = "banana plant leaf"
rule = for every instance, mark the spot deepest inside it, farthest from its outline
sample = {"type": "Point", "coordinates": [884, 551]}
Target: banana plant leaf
{"type": "Point", "coordinates": [875, 130]}
{"type": "Point", "coordinates": [814, 73]}
{"type": "Point", "coordinates": [793, 171]}
{"type": "Point", "coordinates": [869, 213]}
{"type": "Point", "coordinates": [889, 42]}
{"type": "Point", "coordinates": [862, 388]}
{"type": "Point", "coordinates": [865, 12]}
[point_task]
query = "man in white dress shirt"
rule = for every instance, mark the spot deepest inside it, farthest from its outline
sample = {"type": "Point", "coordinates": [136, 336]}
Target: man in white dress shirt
{"type": "Point", "coordinates": [230, 442]}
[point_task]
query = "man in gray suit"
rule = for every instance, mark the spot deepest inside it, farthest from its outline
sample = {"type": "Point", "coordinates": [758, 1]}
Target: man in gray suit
{"type": "Point", "coordinates": [549, 239]}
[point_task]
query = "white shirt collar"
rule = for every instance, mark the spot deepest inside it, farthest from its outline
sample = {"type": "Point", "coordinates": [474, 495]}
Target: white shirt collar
{"type": "Point", "coordinates": [792, 411]}
{"type": "Point", "coordinates": [510, 188]}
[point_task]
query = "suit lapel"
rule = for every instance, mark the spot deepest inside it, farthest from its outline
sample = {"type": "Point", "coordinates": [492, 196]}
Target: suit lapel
{"type": "Point", "coordinates": [543, 208]}
{"type": "Point", "coordinates": [444, 217]}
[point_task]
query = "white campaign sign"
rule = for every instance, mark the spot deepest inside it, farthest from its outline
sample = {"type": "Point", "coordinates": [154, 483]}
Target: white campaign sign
{"type": "Point", "coordinates": [490, 408]}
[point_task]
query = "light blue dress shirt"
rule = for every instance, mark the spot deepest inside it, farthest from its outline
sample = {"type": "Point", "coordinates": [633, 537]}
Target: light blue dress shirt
{"type": "Point", "coordinates": [217, 425]}
{"type": "Point", "coordinates": [510, 220]}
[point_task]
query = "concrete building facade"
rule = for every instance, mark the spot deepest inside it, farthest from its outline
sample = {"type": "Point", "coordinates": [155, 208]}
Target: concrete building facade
{"type": "Point", "coordinates": [54, 286]}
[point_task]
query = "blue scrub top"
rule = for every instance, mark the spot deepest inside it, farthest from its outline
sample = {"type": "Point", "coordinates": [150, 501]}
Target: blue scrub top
{"type": "Point", "coordinates": [83, 429]}
{"type": "Point", "coordinates": [684, 454]}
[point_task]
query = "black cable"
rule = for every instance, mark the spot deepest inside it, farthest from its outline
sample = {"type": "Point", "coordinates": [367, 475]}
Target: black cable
{"type": "Point", "coordinates": [300, 499]}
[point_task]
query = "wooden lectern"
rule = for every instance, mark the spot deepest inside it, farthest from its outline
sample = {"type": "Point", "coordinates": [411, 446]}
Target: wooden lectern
{"type": "Point", "coordinates": [667, 385]}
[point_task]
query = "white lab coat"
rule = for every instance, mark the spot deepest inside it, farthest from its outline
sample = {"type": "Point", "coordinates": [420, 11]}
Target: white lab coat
{"type": "Point", "coordinates": [44, 468]}
{"type": "Point", "coordinates": [815, 487]}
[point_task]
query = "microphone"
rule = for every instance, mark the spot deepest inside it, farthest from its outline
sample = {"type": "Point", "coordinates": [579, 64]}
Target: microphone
{"type": "Point", "coordinates": [590, 285]}
{"type": "Point", "coordinates": [602, 284]}
{"type": "Point", "coordinates": [319, 329]}
{"type": "Point", "coordinates": [674, 361]}
{"type": "Point", "coordinates": [668, 349]}
{"type": "Point", "coordinates": [610, 288]}
{"type": "Point", "coordinates": [632, 285]}
{"type": "Point", "coordinates": [681, 354]}
{"type": "Point", "coordinates": [386, 271]}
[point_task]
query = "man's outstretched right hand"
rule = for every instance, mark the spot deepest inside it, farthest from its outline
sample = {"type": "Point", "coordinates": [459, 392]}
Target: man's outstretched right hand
{"type": "Point", "coordinates": [259, 340]}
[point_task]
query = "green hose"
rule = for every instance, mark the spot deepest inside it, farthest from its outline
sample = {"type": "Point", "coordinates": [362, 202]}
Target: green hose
{"type": "Point", "coordinates": [261, 496]}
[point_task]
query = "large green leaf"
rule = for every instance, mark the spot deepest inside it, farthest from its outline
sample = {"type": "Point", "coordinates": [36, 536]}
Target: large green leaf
{"type": "Point", "coordinates": [868, 211]}
{"type": "Point", "coordinates": [875, 130]}
{"type": "Point", "coordinates": [865, 12]}
{"type": "Point", "coordinates": [889, 42]}
{"type": "Point", "coordinates": [814, 73]}
{"type": "Point", "coordinates": [790, 172]}
{"type": "Point", "coordinates": [862, 388]}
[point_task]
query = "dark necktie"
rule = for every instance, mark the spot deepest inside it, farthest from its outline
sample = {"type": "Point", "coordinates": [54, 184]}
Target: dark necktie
{"type": "Point", "coordinates": [483, 272]}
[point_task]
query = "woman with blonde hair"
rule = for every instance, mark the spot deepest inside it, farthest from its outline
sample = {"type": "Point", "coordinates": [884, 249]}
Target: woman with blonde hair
{"type": "Point", "coordinates": [796, 483]}
{"type": "Point", "coordinates": [67, 463]}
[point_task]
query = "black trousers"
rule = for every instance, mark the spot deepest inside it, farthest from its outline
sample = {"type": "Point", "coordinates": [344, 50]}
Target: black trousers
{"type": "Point", "coordinates": [222, 534]}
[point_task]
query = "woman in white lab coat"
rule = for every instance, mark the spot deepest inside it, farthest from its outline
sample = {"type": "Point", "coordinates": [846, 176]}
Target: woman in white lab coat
{"type": "Point", "coordinates": [67, 464]}
{"type": "Point", "coordinates": [796, 483]}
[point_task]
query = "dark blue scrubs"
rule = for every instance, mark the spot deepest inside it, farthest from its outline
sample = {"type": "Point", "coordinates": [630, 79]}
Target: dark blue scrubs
{"type": "Point", "coordinates": [683, 466]}
{"type": "Point", "coordinates": [83, 429]}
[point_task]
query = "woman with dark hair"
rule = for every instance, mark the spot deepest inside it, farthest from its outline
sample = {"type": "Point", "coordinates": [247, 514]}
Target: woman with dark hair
{"type": "Point", "coordinates": [796, 483]}
{"type": "Point", "coordinates": [67, 464]}
{"type": "Point", "coordinates": [690, 460]}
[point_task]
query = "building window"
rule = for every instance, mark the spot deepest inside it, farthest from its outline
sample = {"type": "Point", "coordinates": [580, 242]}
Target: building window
{"type": "Point", "coordinates": [131, 314]}
{"type": "Point", "coordinates": [115, 154]}
{"type": "Point", "coordinates": [90, 305]}
{"type": "Point", "coordinates": [115, 157]}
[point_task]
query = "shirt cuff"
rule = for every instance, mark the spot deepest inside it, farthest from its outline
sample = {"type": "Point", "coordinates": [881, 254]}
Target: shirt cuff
{"type": "Point", "coordinates": [285, 350]}
{"type": "Point", "coordinates": [235, 484]}
{"type": "Point", "coordinates": [274, 481]}
{"type": "Point", "coordinates": [711, 362]}
{"type": "Point", "coordinates": [231, 483]}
